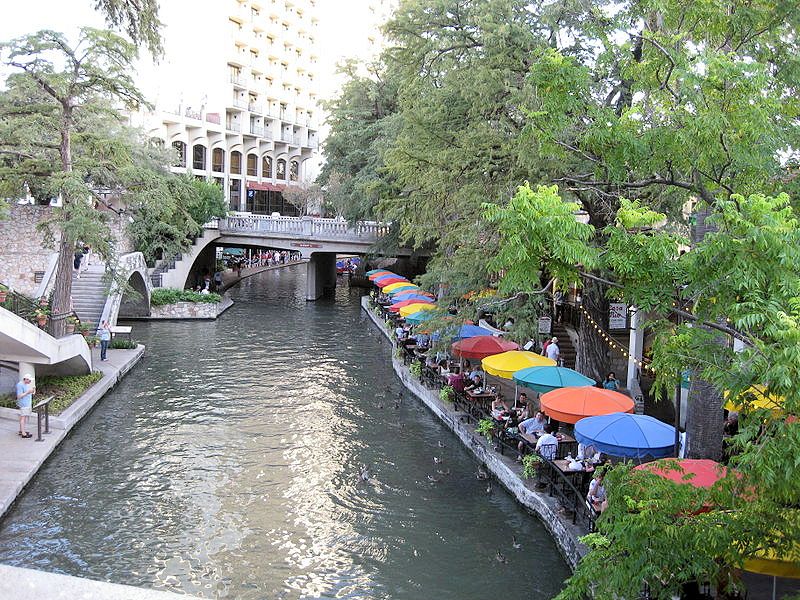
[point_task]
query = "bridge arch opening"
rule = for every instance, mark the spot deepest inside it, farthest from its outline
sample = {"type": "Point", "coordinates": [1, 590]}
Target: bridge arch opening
{"type": "Point", "coordinates": [136, 299]}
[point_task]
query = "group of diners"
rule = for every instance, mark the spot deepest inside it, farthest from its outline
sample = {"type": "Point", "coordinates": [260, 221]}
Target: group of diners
{"type": "Point", "coordinates": [519, 424]}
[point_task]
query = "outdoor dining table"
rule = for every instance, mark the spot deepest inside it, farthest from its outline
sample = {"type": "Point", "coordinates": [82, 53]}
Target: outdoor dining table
{"type": "Point", "coordinates": [479, 403]}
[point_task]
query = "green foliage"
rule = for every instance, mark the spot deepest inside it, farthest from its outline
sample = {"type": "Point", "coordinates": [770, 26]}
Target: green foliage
{"type": "Point", "coordinates": [539, 232]}
{"type": "Point", "coordinates": [118, 343]}
{"type": "Point", "coordinates": [447, 393]}
{"type": "Point", "coordinates": [530, 465]}
{"type": "Point", "coordinates": [165, 222]}
{"type": "Point", "coordinates": [65, 390]}
{"type": "Point", "coordinates": [416, 369]}
{"type": "Point", "coordinates": [164, 296]}
{"type": "Point", "coordinates": [487, 428]}
{"type": "Point", "coordinates": [137, 18]}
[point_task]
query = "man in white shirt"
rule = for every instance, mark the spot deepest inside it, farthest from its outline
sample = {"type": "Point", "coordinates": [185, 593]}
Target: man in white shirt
{"type": "Point", "coordinates": [547, 444]}
{"type": "Point", "coordinates": [553, 352]}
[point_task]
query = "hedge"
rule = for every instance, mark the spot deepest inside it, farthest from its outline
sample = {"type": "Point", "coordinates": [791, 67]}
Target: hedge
{"type": "Point", "coordinates": [65, 390]}
{"type": "Point", "coordinates": [163, 296]}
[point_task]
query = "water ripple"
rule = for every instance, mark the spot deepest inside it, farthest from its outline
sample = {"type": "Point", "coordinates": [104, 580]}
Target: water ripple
{"type": "Point", "coordinates": [229, 466]}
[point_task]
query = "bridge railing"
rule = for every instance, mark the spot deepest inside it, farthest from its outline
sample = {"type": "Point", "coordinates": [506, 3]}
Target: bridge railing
{"type": "Point", "coordinates": [307, 227]}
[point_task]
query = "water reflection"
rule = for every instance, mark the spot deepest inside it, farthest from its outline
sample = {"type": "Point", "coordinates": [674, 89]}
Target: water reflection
{"type": "Point", "coordinates": [228, 466]}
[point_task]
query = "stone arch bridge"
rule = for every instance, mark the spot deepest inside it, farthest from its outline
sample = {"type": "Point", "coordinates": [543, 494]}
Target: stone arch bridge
{"type": "Point", "coordinates": [318, 240]}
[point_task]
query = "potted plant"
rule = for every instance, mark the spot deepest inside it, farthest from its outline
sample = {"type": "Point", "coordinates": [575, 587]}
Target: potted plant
{"type": "Point", "coordinates": [486, 428]}
{"type": "Point", "coordinates": [86, 330]}
{"type": "Point", "coordinates": [92, 340]}
{"type": "Point", "coordinates": [447, 393]}
{"type": "Point", "coordinates": [416, 369]}
{"type": "Point", "coordinates": [3, 293]}
{"type": "Point", "coordinates": [41, 315]}
{"type": "Point", "coordinates": [72, 322]}
{"type": "Point", "coordinates": [43, 301]}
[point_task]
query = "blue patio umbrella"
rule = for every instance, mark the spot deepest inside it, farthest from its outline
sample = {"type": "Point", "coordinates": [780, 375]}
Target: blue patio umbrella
{"type": "Point", "coordinates": [464, 332]}
{"type": "Point", "coordinates": [373, 271]}
{"type": "Point", "coordinates": [547, 379]}
{"type": "Point", "coordinates": [387, 276]}
{"type": "Point", "coordinates": [403, 297]}
{"type": "Point", "coordinates": [419, 316]}
{"type": "Point", "coordinates": [627, 435]}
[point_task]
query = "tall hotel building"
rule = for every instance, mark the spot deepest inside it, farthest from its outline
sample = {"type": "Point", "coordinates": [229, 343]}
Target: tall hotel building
{"type": "Point", "coordinates": [236, 96]}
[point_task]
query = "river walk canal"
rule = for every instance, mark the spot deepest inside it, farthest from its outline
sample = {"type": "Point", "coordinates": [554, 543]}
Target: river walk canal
{"type": "Point", "coordinates": [228, 465]}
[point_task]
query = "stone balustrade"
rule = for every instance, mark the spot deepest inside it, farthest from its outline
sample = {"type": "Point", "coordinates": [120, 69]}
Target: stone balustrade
{"type": "Point", "coordinates": [305, 227]}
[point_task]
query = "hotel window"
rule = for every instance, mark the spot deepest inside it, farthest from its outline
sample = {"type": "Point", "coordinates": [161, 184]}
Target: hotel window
{"type": "Point", "coordinates": [218, 160]}
{"type": "Point", "coordinates": [266, 167]}
{"type": "Point", "coordinates": [236, 163]}
{"type": "Point", "coordinates": [199, 157]}
{"type": "Point", "coordinates": [180, 151]}
{"type": "Point", "coordinates": [252, 165]}
{"type": "Point", "coordinates": [281, 170]}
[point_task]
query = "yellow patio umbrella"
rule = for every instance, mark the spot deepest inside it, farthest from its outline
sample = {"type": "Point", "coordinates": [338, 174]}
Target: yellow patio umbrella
{"type": "Point", "coordinates": [507, 363]}
{"type": "Point", "coordinates": [754, 397]}
{"type": "Point", "coordinates": [394, 286]}
{"type": "Point", "coordinates": [416, 307]}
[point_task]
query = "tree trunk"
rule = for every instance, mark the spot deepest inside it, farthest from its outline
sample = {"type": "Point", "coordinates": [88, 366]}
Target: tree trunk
{"type": "Point", "coordinates": [591, 357]}
{"type": "Point", "coordinates": [704, 418]}
{"type": "Point", "coordinates": [62, 288]}
{"type": "Point", "coordinates": [704, 421]}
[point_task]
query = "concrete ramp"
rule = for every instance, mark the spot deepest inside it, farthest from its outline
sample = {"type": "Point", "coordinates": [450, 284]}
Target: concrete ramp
{"type": "Point", "coordinates": [23, 342]}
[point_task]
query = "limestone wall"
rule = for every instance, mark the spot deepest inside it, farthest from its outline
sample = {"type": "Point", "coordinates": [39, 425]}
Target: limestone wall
{"type": "Point", "coordinates": [22, 250]}
{"type": "Point", "coordinates": [191, 310]}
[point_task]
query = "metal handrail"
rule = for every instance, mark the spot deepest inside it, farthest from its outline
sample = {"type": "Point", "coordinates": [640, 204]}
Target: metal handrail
{"type": "Point", "coordinates": [42, 407]}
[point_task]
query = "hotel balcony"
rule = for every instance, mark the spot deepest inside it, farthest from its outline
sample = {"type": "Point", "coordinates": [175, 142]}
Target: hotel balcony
{"type": "Point", "coordinates": [257, 130]}
{"type": "Point", "coordinates": [238, 79]}
{"type": "Point", "coordinates": [233, 126]}
{"type": "Point", "coordinates": [255, 107]}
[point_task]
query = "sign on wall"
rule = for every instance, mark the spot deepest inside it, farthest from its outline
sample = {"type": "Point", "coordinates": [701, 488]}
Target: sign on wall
{"type": "Point", "coordinates": [617, 315]}
{"type": "Point", "coordinates": [545, 324]}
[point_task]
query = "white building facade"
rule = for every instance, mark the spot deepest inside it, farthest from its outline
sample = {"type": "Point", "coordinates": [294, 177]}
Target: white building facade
{"type": "Point", "coordinates": [236, 96]}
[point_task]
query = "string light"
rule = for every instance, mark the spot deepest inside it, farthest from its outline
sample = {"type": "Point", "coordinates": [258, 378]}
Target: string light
{"type": "Point", "coordinates": [605, 336]}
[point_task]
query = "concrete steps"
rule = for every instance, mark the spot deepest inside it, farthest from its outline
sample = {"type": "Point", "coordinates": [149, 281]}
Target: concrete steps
{"type": "Point", "coordinates": [564, 345]}
{"type": "Point", "coordinates": [89, 294]}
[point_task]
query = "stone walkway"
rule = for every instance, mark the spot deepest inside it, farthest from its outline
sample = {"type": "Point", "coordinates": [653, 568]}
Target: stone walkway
{"type": "Point", "coordinates": [26, 584]}
{"type": "Point", "coordinates": [20, 458]}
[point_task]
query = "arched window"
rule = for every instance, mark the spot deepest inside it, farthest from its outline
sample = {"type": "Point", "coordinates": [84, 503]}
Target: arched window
{"type": "Point", "coordinates": [199, 157]}
{"type": "Point", "coordinates": [218, 160]}
{"type": "Point", "coordinates": [180, 151]}
{"type": "Point", "coordinates": [236, 162]}
{"type": "Point", "coordinates": [294, 170]}
{"type": "Point", "coordinates": [281, 170]}
{"type": "Point", "coordinates": [266, 167]}
{"type": "Point", "coordinates": [252, 165]}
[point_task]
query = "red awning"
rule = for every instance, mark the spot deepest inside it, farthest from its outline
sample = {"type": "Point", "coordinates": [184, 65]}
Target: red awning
{"type": "Point", "coordinates": [265, 187]}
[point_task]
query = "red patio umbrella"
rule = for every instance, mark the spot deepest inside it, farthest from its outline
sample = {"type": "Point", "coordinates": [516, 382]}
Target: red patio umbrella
{"type": "Point", "coordinates": [399, 305]}
{"type": "Point", "coordinates": [374, 276]}
{"type": "Point", "coordinates": [389, 281]}
{"type": "Point", "coordinates": [481, 346]}
{"type": "Point", "coordinates": [700, 472]}
{"type": "Point", "coordinates": [571, 404]}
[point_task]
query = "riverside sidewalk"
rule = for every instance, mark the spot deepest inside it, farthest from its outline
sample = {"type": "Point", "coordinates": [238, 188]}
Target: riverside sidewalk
{"type": "Point", "coordinates": [27, 584]}
{"type": "Point", "coordinates": [20, 459]}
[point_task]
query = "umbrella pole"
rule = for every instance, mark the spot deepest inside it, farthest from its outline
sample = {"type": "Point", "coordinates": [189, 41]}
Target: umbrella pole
{"type": "Point", "coordinates": [774, 586]}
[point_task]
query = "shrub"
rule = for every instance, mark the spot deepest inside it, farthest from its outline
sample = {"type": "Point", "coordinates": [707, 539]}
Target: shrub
{"type": "Point", "coordinates": [122, 344]}
{"type": "Point", "coordinates": [163, 296]}
{"type": "Point", "coordinates": [416, 369]}
{"type": "Point", "coordinates": [446, 393]}
{"type": "Point", "coordinates": [486, 428]}
{"type": "Point", "coordinates": [530, 465]}
{"type": "Point", "coordinates": [65, 390]}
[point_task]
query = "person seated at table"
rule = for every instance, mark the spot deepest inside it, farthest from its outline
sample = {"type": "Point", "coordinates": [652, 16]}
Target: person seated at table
{"type": "Point", "coordinates": [610, 382]}
{"type": "Point", "coordinates": [547, 444]}
{"type": "Point", "coordinates": [588, 452]}
{"type": "Point", "coordinates": [524, 408]}
{"type": "Point", "coordinates": [597, 497]}
{"type": "Point", "coordinates": [423, 339]}
{"type": "Point", "coordinates": [475, 372]}
{"type": "Point", "coordinates": [473, 384]}
{"type": "Point", "coordinates": [456, 381]}
{"type": "Point", "coordinates": [444, 367]}
{"type": "Point", "coordinates": [501, 407]}
{"type": "Point", "coordinates": [529, 429]}
{"type": "Point", "coordinates": [400, 333]}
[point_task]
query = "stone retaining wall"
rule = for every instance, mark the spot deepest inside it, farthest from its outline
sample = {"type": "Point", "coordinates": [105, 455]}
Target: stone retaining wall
{"type": "Point", "coordinates": [191, 310]}
{"type": "Point", "coordinates": [504, 468]}
{"type": "Point", "coordinates": [22, 249]}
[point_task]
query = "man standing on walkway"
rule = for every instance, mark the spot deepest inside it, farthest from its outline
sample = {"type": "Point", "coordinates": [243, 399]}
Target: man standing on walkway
{"type": "Point", "coordinates": [553, 352]}
{"type": "Point", "coordinates": [104, 333]}
{"type": "Point", "coordinates": [25, 391]}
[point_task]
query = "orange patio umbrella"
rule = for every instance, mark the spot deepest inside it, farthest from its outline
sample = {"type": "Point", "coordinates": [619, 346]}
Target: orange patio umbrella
{"type": "Point", "coordinates": [571, 404]}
